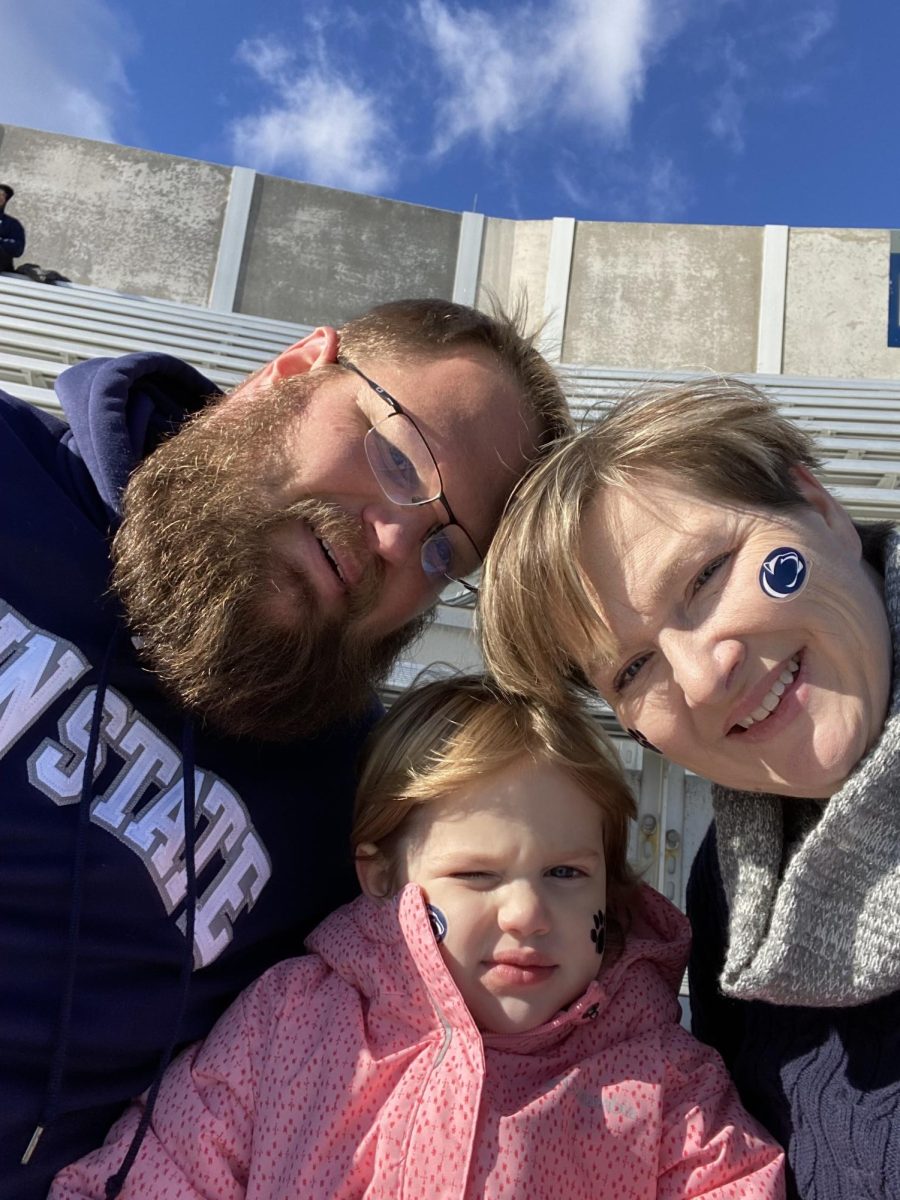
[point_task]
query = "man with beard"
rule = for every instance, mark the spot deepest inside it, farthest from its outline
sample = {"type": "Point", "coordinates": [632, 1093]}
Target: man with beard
{"type": "Point", "coordinates": [178, 735]}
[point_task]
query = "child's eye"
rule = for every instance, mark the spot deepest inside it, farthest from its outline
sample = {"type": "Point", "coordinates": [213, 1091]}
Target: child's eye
{"type": "Point", "coordinates": [565, 873]}
{"type": "Point", "coordinates": [703, 578]}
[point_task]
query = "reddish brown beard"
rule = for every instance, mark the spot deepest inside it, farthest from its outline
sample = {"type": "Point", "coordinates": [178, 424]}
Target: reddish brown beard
{"type": "Point", "coordinates": [193, 567]}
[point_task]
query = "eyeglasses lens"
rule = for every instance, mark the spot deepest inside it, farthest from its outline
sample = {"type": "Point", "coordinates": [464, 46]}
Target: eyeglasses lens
{"type": "Point", "coordinates": [401, 461]}
{"type": "Point", "coordinates": [449, 552]}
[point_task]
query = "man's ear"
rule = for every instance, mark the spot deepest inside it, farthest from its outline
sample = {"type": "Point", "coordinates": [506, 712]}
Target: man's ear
{"type": "Point", "coordinates": [315, 350]}
{"type": "Point", "coordinates": [373, 871]}
{"type": "Point", "coordinates": [818, 497]}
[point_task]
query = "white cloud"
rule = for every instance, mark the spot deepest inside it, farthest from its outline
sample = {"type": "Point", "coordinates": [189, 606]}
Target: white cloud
{"type": "Point", "coordinates": [577, 58]}
{"type": "Point", "coordinates": [808, 28]}
{"type": "Point", "coordinates": [484, 90]}
{"type": "Point", "coordinates": [265, 57]}
{"type": "Point", "coordinates": [64, 67]}
{"type": "Point", "coordinates": [666, 190]}
{"type": "Point", "coordinates": [322, 126]}
{"type": "Point", "coordinates": [726, 121]}
{"type": "Point", "coordinates": [649, 188]}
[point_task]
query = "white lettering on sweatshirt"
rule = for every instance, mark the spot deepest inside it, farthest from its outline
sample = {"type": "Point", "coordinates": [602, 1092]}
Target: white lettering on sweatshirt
{"type": "Point", "coordinates": [142, 805]}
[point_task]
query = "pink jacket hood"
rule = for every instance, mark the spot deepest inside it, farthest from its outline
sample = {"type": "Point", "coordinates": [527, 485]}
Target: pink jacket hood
{"type": "Point", "coordinates": [357, 1073]}
{"type": "Point", "coordinates": [385, 949]}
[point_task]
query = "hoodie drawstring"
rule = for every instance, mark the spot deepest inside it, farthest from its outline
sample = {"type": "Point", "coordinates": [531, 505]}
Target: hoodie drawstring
{"type": "Point", "coordinates": [116, 1181]}
{"type": "Point", "coordinates": [53, 1093]}
{"type": "Point", "coordinates": [50, 1108]}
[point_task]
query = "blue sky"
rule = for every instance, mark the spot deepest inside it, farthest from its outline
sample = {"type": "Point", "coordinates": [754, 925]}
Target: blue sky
{"type": "Point", "coordinates": [705, 111]}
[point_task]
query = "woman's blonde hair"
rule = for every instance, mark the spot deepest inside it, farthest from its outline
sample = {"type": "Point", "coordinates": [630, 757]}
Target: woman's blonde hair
{"type": "Point", "coordinates": [445, 735]}
{"type": "Point", "coordinates": [719, 438]}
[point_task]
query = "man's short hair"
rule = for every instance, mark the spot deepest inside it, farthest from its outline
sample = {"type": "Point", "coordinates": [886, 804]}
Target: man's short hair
{"type": "Point", "coordinates": [720, 438]}
{"type": "Point", "coordinates": [402, 330]}
{"type": "Point", "coordinates": [4, 187]}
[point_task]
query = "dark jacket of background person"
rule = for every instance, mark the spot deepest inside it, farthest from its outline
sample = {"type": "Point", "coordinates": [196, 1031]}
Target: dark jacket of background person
{"type": "Point", "coordinates": [12, 241]}
{"type": "Point", "coordinates": [818, 884]}
{"type": "Point", "coordinates": [273, 820]}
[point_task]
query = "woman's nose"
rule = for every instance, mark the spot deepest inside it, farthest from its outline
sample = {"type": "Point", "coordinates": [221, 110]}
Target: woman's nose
{"type": "Point", "coordinates": [702, 667]}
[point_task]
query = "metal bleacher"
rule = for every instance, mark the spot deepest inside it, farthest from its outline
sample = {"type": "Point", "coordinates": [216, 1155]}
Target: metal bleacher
{"type": "Point", "coordinates": [855, 423]}
{"type": "Point", "coordinates": [44, 329]}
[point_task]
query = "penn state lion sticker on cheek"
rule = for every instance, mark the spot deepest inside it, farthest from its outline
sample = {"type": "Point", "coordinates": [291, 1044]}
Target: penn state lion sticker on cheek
{"type": "Point", "coordinates": [438, 922]}
{"type": "Point", "coordinates": [783, 574]}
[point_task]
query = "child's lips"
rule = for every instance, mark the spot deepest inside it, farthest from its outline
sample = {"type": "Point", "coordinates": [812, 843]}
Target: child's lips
{"type": "Point", "coordinates": [520, 969]}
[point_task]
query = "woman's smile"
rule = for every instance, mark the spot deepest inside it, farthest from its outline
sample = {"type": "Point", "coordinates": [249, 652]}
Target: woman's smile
{"type": "Point", "coordinates": [773, 697]}
{"type": "Point", "coordinates": [758, 693]}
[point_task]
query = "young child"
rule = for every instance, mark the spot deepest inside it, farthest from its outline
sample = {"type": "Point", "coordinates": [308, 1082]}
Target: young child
{"type": "Point", "coordinates": [496, 1017]}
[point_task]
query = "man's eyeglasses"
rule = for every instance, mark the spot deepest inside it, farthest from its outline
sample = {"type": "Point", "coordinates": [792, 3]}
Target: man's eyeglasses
{"type": "Point", "coordinates": [407, 473]}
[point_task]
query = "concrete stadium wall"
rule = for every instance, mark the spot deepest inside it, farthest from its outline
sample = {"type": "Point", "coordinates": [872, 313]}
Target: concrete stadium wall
{"type": "Point", "coordinates": [317, 255]}
{"type": "Point", "coordinates": [615, 294]}
{"type": "Point", "coordinates": [836, 310]}
{"type": "Point", "coordinates": [664, 296]}
{"type": "Point", "coordinates": [114, 217]}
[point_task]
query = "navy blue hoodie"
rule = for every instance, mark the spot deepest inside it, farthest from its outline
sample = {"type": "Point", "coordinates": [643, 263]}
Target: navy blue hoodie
{"type": "Point", "coordinates": [93, 887]}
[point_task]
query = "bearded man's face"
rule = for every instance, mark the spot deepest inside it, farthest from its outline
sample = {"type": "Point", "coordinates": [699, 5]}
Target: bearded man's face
{"type": "Point", "coordinates": [235, 631]}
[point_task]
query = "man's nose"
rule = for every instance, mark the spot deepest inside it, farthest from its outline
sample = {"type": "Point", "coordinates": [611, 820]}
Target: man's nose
{"type": "Point", "coordinates": [702, 665]}
{"type": "Point", "coordinates": [396, 531]}
{"type": "Point", "coordinates": [523, 910]}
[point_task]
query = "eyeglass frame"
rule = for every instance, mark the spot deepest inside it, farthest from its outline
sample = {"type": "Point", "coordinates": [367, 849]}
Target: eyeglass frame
{"type": "Point", "coordinates": [398, 410]}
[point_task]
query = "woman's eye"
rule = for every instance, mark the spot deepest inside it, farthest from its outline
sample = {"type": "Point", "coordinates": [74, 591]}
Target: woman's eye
{"type": "Point", "coordinates": [628, 674]}
{"type": "Point", "coordinates": [565, 873]}
{"type": "Point", "coordinates": [703, 578]}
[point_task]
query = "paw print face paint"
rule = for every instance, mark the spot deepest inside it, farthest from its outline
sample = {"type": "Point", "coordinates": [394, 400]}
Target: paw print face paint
{"type": "Point", "coordinates": [598, 932]}
{"type": "Point", "coordinates": [783, 573]}
{"type": "Point", "coordinates": [641, 740]}
{"type": "Point", "coordinates": [438, 922]}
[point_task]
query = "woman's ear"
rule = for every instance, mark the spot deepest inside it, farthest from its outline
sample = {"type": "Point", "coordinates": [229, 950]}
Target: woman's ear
{"type": "Point", "coordinates": [373, 871]}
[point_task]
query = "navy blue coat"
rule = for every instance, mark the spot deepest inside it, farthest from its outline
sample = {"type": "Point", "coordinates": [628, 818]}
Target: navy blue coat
{"type": "Point", "coordinates": [272, 821]}
{"type": "Point", "coordinates": [824, 1081]}
{"type": "Point", "coordinates": [12, 237]}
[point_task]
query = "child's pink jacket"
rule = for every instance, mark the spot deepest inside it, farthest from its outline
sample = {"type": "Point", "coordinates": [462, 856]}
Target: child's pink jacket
{"type": "Point", "coordinates": [358, 1072]}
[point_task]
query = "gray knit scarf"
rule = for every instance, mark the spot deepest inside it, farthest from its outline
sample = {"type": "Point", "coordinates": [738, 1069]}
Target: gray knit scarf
{"type": "Point", "coordinates": [814, 887]}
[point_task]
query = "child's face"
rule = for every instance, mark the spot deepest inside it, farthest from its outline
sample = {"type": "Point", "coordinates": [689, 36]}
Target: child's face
{"type": "Point", "coordinates": [515, 864]}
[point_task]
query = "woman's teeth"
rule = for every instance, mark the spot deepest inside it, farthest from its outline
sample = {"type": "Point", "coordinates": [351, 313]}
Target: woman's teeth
{"type": "Point", "coordinates": [771, 701]}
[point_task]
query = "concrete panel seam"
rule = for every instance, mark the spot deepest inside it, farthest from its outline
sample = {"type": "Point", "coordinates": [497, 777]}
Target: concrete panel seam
{"type": "Point", "coordinates": [468, 258]}
{"type": "Point", "coordinates": [556, 295]}
{"type": "Point", "coordinates": [231, 243]}
{"type": "Point", "coordinates": [772, 295]}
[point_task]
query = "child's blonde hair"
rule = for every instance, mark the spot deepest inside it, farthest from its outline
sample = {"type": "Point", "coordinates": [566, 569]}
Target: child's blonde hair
{"type": "Point", "coordinates": [448, 734]}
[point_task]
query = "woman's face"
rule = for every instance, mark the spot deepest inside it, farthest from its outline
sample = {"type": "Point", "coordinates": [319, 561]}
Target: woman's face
{"type": "Point", "coordinates": [702, 654]}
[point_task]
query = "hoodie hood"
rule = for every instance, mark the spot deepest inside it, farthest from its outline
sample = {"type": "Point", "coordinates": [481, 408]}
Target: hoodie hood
{"type": "Point", "coordinates": [119, 410]}
{"type": "Point", "coordinates": [658, 934]}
